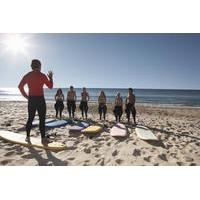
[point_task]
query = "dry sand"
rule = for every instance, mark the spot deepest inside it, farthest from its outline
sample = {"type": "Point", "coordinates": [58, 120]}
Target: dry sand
{"type": "Point", "coordinates": [177, 130]}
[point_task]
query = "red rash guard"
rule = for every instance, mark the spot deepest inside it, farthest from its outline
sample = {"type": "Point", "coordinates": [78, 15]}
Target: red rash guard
{"type": "Point", "coordinates": [35, 81]}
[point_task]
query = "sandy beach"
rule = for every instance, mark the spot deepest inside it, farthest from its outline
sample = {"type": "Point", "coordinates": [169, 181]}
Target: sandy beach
{"type": "Point", "coordinates": [176, 127]}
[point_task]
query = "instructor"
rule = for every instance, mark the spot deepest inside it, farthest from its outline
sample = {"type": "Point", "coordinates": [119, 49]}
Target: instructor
{"type": "Point", "coordinates": [36, 101]}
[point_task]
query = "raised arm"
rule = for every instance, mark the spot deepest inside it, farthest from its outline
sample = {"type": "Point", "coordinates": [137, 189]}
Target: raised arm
{"type": "Point", "coordinates": [49, 81]}
{"type": "Point", "coordinates": [21, 87]}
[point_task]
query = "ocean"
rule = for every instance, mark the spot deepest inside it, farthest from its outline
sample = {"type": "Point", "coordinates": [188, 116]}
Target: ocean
{"type": "Point", "coordinates": [143, 96]}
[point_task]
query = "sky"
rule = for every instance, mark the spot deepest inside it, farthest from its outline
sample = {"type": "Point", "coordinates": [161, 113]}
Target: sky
{"type": "Point", "coordinates": [157, 61]}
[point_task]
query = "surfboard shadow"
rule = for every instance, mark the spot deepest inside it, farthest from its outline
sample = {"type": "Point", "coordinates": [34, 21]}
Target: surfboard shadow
{"type": "Point", "coordinates": [170, 133]}
{"type": "Point", "coordinates": [156, 143]}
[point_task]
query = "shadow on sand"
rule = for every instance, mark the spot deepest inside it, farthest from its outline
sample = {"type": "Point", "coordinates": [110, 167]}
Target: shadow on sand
{"type": "Point", "coordinates": [51, 159]}
{"type": "Point", "coordinates": [170, 133]}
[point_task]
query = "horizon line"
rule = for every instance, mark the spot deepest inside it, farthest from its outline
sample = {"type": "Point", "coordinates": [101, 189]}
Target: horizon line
{"type": "Point", "coordinates": [113, 88]}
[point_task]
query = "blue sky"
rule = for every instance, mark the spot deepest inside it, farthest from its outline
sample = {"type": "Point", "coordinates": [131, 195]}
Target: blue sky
{"type": "Point", "coordinates": [170, 61]}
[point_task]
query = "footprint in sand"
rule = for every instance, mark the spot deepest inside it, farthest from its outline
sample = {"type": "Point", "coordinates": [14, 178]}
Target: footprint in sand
{"type": "Point", "coordinates": [156, 164]}
{"type": "Point", "coordinates": [162, 157]}
{"type": "Point", "coordinates": [97, 155]}
{"type": "Point", "coordinates": [180, 163]}
{"type": "Point", "coordinates": [114, 153]}
{"type": "Point", "coordinates": [71, 158]}
{"type": "Point", "coordinates": [86, 163]}
{"type": "Point", "coordinates": [148, 159]}
{"type": "Point", "coordinates": [119, 161]}
{"type": "Point", "coordinates": [108, 144]}
{"type": "Point", "coordinates": [100, 162]}
{"type": "Point", "coordinates": [189, 159]}
{"type": "Point", "coordinates": [5, 162]}
{"type": "Point", "coordinates": [193, 164]}
{"type": "Point", "coordinates": [10, 153]}
{"type": "Point", "coordinates": [137, 152]}
{"type": "Point", "coordinates": [87, 150]}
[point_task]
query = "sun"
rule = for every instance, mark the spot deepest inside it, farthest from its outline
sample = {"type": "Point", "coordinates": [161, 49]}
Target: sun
{"type": "Point", "coordinates": [15, 43]}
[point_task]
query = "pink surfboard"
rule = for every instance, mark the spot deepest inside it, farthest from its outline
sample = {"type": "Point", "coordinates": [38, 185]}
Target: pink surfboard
{"type": "Point", "coordinates": [119, 130]}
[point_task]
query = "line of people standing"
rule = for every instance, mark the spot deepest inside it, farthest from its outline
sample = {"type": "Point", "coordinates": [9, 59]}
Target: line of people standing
{"type": "Point", "coordinates": [35, 80]}
{"type": "Point", "coordinates": [102, 104]}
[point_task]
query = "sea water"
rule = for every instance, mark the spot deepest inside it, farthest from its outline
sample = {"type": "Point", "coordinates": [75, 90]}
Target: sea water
{"type": "Point", "coordinates": [143, 96]}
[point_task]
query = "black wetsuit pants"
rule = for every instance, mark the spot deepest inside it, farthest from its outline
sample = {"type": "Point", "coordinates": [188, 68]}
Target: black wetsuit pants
{"type": "Point", "coordinates": [84, 108]}
{"type": "Point", "coordinates": [130, 108]}
{"type": "Point", "coordinates": [36, 103]}
{"type": "Point", "coordinates": [59, 106]}
{"type": "Point", "coordinates": [102, 110]}
{"type": "Point", "coordinates": [71, 107]}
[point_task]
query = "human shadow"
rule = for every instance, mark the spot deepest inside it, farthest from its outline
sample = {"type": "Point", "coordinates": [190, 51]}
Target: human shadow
{"type": "Point", "coordinates": [51, 160]}
{"type": "Point", "coordinates": [55, 161]}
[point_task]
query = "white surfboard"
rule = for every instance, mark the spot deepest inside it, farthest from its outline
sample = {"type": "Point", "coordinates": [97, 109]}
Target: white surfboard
{"type": "Point", "coordinates": [144, 133]}
{"type": "Point", "coordinates": [17, 138]}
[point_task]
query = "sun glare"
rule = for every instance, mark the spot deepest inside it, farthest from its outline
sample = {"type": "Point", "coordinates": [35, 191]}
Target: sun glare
{"type": "Point", "coordinates": [15, 43]}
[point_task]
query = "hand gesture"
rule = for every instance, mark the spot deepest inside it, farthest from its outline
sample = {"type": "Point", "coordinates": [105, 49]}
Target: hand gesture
{"type": "Point", "coordinates": [50, 74]}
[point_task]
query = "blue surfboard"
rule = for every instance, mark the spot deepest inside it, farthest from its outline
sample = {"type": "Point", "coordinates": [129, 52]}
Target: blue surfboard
{"type": "Point", "coordinates": [36, 122]}
{"type": "Point", "coordinates": [58, 123]}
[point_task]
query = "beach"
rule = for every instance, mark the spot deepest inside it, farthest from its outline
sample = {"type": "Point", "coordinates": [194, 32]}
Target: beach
{"type": "Point", "coordinates": [177, 129]}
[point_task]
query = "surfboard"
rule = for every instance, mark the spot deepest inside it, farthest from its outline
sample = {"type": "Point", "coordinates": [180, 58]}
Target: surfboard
{"type": "Point", "coordinates": [37, 122]}
{"type": "Point", "coordinates": [92, 129]}
{"type": "Point", "coordinates": [78, 127]}
{"type": "Point", "coordinates": [58, 123]}
{"type": "Point", "coordinates": [118, 130]}
{"type": "Point", "coordinates": [17, 138]}
{"type": "Point", "coordinates": [144, 133]}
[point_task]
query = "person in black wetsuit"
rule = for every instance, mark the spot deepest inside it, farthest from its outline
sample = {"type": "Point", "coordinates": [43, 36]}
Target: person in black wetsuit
{"type": "Point", "coordinates": [118, 108]}
{"type": "Point", "coordinates": [71, 101]}
{"type": "Point", "coordinates": [59, 105]}
{"type": "Point", "coordinates": [84, 102]}
{"type": "Point", "coordinates": [102, 105]}
{"type": "Point", "coordinates": [130, 105]}
{"type": "Point", "coordinates": [36, 101]}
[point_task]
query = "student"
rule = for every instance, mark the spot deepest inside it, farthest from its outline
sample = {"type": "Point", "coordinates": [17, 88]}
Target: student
{"type": "Point", "coordinates": [59, 106]}
{"type": "Point", "coordinates": [84, 102]}
{"type": "Point", "coordinates": [102, 105]}
{"type": "Point", "coordinates": [118, 109]}
{"type": "Point", "coordinates": [71, 101]}
{"type": "Point", "coordinates": [36, 101]}
{"type": "Point", "coordinates": [130, 105]}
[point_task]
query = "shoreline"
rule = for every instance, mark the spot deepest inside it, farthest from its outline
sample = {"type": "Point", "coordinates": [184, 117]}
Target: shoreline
{"type": "Point", "coordinates": [109, 103]}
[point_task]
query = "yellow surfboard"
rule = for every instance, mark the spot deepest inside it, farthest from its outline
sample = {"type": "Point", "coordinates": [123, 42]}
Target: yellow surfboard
{"type": "Point", "coordinates": [18, 138]}
{"type": "Point", "coordinates": [92, 129]}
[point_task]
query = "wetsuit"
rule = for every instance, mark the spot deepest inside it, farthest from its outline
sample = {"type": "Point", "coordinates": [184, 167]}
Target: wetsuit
{"type": "Point", "coordinates": [102, 107]}
{"type": "Point", "coordinates": [84, 108]}
{"type": "Point", "coordinates": [102, 110]}
{"type": "Point", "coordinates": [130, 107]}
{"type": "Point", "coordinates": [59, 105]}
{"type": "Point", "coordinates": [71, 107]}
{"type": "Point", "coordinates": [118, 110]}
{"type": "Point", "coordinates": [36, 101]}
